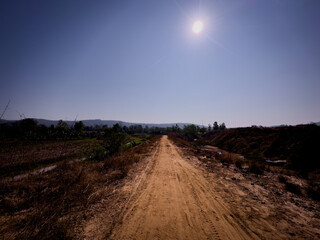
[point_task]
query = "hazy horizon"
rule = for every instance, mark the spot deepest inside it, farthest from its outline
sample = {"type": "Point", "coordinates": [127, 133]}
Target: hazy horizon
{"type": "Point", "coordinates": [254, 63]}
{"type": "Point", "coordinates": [166, 123]}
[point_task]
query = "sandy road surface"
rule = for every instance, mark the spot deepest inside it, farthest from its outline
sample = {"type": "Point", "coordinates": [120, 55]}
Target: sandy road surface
{"type": "Point", "coordinates": [176, 201]}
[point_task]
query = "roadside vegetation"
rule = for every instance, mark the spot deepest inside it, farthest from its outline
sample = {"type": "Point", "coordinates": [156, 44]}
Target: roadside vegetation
{"type": "Point", "coordinates": [88, 161]}
{"type": "Point", "coordinates": [26, 146]}
{"type": "Point", "coordinates": [49, 205]}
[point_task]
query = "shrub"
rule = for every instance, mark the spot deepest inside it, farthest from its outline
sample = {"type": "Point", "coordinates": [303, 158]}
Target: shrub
{"type": "Point", "coordinates": [256, 168]}
{"type": "Point", "coordinates": [96, 152]}
{"type": "Point", "coordinates": [294, 188]}
{"type": "Point", "coordinates": [225, 162]}
{"type": "Point", "coordinates": [114, 139]}
{"type": "Point", "coordinates": [314, 192]}
{"type": "Point", "coordinates": [190, 131]}
{"type": "Point", "coordinates": [225, 158]}
{"type": "Point", "coordinates": [99, 154]}
{"type": "Point", "coordinates": [238, 164]}
{"type": "Point", "coordinates": [282, 179]}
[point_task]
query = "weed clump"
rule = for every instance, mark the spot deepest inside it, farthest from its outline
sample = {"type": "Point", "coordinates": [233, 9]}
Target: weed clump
{"type": "Point", "coordinates": [313, 191]}
{"type": "Point", "coordinates": [256, 168]}
{"type": "Point", "coordinates": [282, 179]}
{"type": "Point", "coordinates": [294, 188]}
{"type": "Point", "coordinates": [238, 164]}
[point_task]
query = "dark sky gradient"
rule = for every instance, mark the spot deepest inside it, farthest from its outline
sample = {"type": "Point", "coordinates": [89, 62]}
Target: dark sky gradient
{"type": "Point", "coordinates": [256, 62]}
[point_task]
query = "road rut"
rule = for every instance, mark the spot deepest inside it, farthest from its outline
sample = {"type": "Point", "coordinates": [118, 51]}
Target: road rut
{"type": "Point", "coordinates": [176, 201]}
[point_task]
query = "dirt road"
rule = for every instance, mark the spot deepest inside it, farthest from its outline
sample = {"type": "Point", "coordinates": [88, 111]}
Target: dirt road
{"type": "Point", "coordinates": [174, 200]}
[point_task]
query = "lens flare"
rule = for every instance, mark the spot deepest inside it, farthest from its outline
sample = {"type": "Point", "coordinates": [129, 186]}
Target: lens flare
{"type": "Point", "coordinates": [197, 27]}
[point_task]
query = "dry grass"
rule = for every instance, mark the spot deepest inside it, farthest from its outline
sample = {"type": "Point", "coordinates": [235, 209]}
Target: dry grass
{"type": "Point", "coordinates": [18, 157]}
{"type": "Point", "coordinates": [48, 206]}
{"type": "Point", "coordinates": [122, 161]}
{"type": "Point", "coordinates": [36, 207]}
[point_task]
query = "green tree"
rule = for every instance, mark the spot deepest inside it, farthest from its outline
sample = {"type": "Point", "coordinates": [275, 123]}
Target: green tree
{"type": "Point", "coordinates": [215, 126]}
{"type": "Point", "coordinates": [222, 126]}
{"type": "Point", "coordinates": [79, 127]}
{"type": "Point", "coordinates": [203, 129]}
{"type": "Point", "coordinates": [146, 129]}
{"type": "Point", "coordinates": [62, 129]}
{"type": "Point", "coordinates": [28, 127]}
{"type": "Point", "coordinates": [175, 128]}
{"type": "Point", "coordinates": [62, 125]}
{"type": "Point", "coordinates": [114, 139]}
{"type": "Point", "coordinates": [190, 131]}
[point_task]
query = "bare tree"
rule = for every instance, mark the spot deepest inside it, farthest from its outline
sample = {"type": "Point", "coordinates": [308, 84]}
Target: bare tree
{"type": "Point", "coordinates": [75, 120]}
{"type": "Point", "coordinates": [4, 111]}
{"type": "Point", "coordinates": [21, 115]}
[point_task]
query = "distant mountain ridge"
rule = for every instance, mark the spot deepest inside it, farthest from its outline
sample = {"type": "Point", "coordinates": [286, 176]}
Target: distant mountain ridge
{"type": "Point", "coordinates": [110, 123]}
{"type": "Point", "coordinates": [99, 122]}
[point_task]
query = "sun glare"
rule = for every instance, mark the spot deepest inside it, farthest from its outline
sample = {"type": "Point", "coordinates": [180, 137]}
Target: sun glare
{"type": "Point", "coordinates": [197, 27]}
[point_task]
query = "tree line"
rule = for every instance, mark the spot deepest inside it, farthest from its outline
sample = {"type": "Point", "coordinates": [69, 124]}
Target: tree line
{"type": "Point", "coordinates": [28, 128]}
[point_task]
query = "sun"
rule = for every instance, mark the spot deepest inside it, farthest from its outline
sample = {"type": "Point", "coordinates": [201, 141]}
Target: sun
{"type": "Point", "coordinates": [197, 27]}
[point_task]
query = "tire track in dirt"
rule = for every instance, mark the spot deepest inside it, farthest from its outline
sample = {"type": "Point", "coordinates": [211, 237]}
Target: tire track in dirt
{"type": "Point", "coordinates": [175, 201]}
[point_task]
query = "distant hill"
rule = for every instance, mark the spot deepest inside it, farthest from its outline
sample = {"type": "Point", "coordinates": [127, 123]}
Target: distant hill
{"type": "Point", "coordinates": [99, 122]}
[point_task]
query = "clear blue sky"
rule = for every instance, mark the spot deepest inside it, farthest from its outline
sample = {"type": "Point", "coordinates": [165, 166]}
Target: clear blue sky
{"type": "Point", "coordinates": [255, 62]}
